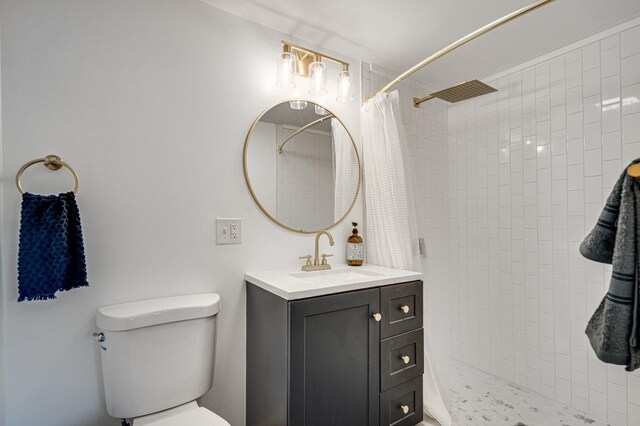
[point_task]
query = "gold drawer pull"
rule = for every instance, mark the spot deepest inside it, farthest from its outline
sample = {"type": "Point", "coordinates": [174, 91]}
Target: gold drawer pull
{"type": "Point", "coordinates": [404, 408]}
{"type": "Point", "coordinates": [377, 317]}
{"type": "Point", "coordinates": [404, 309]}
{"type": "Point", "coordinates": [406, 359]}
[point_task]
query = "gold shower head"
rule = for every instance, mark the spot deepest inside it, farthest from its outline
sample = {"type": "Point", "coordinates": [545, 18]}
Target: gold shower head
{"type": "Point", "coordinates": [459, 92]}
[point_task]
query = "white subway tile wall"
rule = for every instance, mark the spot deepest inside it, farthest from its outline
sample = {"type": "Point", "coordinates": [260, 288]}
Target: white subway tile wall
{"type": "Point", "coordinates": [304, 195]}
{"type": "Point", "coordinates": [529, 169]}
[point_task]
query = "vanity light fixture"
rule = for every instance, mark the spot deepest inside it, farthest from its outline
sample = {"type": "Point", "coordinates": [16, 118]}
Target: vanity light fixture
{"type": "Point", "coordinates": [286, 70]}
{"type": "Point", "coordinates": [318, 77]}
{"type": "Point", "coordinates": [297, 60]}
{"type": "Point", "coordinates": [345, 93]}
{"type": "Point", "coordinates": [297, 104]}
{"type": "Point", "coordinates": [320, 110]}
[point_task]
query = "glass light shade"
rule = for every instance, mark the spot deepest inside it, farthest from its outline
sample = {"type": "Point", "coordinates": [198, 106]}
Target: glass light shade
{"type": "Point", "coordinates": [286, 70]}
{"type": "Point", "coordinates": [345, 93]}
{"type": "Point", "coordinates": [320, 110]}
{"type": "Point", "coordinates": [318, 76]}
{"type": "Point", "coordinates": [298, 104]}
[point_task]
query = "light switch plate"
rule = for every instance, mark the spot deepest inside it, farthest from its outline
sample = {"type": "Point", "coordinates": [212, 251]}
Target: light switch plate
{"type": "Point", "coordinates": [228, 231]}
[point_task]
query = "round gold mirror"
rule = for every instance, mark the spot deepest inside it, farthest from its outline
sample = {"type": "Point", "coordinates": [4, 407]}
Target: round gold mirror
{"type": "Point", "coordinates": [302, 166]}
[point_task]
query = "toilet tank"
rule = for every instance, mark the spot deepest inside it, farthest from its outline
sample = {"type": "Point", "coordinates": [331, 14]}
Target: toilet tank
{"type": "Point", "coordinates": [158, 353]}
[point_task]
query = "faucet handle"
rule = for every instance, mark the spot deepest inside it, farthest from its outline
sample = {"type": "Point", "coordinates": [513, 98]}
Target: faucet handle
{"type": "Point", "coordinates": [308, 257]}
{"type": "Point", "coordinates": [324, 258]}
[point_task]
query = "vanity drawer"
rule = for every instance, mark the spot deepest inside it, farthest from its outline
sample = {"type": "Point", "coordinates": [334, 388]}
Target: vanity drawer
{"type": "Point", "coordinates": [401, 308]}
{"type": "Point", "coordinates": [405, 397]}
{"type": "Point", "coordinates": [401, 359]}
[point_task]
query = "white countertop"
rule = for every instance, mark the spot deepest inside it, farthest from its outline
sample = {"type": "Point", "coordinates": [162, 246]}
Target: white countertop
{"type": "Point", "coordinates": [293, 284]}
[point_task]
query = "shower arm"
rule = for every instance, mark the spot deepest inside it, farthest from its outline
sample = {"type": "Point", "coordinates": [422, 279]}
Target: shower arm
{"type": "Point", "coordinates": [464, 40]}
{"type": "Point", "coordinates": [302, 129]}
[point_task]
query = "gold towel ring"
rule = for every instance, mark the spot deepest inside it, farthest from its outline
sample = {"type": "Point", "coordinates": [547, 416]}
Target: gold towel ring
{"type": "Point", "coordinates": [51, 162]}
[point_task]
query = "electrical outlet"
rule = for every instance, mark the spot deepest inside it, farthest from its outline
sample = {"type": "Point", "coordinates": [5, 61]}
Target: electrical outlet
{"type": "Point", "coordinates": [235, 231]}
{"type": "Point", "coordinates": [228, 231]}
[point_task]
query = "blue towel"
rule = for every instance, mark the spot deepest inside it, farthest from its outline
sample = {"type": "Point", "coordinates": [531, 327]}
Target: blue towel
{"type": "Point", "coordinates": [51, 253]}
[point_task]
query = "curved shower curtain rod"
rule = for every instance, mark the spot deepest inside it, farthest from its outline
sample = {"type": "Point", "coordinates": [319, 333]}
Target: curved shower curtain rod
{"type": "Point", "coordinates": [477, 33]}
{"type": "Point", "coordinates": [302, 129]}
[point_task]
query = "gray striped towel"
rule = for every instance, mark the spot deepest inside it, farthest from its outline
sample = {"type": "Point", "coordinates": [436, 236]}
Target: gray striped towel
{"type": "Point", "coordinates": [613, 328]}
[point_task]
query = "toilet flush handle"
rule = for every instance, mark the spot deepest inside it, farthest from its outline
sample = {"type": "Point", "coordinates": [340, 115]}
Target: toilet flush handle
{"type": "Point", "coordinates": [99, 337]}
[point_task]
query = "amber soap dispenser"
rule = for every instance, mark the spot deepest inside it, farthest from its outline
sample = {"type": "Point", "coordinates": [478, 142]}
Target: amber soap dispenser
{"type": "Point", "coordinates": [355, 248]}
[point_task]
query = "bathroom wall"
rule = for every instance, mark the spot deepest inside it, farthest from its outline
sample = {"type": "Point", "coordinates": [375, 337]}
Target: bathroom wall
{"type": "Point", "coordinates": [529, 169]}
{"type": "Point", "coordinates": [297, 184]}
{"type": "Point", "coordinates": [426, 131]}
{"type": "Point", "coordinates": [305, 188]}
{"type": "Point", "coordinates": [150, 101]}
{"type": "Point", "coordinates": [2, 263]}
{"type": "Point", "coordinates": [261, 160]}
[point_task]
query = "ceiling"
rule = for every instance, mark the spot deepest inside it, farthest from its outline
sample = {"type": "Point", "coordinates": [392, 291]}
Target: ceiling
{"type": "Point", "coordinates": [398, 34]}
{"type": "Point", "coordinates": [283, 114]}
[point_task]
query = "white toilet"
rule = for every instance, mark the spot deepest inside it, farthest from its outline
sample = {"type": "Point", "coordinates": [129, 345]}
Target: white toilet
{"type": "Point", "coordinates": [157, 359]}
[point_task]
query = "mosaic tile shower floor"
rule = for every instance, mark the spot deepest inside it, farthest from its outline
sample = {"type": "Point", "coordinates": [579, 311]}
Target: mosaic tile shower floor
{"type": "Point", "coordinates": [479, 399]}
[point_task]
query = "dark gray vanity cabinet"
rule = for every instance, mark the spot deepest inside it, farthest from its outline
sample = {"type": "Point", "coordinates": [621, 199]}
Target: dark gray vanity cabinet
{"type": "Point", "coordinates": [333, 348]}
{"type": "Point", "coordinates": [330, 361]}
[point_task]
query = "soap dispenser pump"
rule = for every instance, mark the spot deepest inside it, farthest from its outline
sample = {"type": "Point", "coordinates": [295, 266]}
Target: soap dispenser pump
{"type": "Point", "coordinates": [355, 248]}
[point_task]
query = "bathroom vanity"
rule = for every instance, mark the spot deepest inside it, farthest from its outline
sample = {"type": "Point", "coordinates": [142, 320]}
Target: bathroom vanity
{"type": "Point", "coordinates": [342, 347]}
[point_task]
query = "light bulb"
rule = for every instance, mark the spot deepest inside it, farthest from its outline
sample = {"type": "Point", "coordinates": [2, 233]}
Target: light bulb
{"type": "Point", "coordinates": [318, 78]}
{"type": "Point", "coordinates": [345, 94]}
{"type": "Point", "coordinates": [320, 110]}
{"type": "Point", "coordinates": [298, 104]}
{"type": "Point", "coordinates": [286, 70]}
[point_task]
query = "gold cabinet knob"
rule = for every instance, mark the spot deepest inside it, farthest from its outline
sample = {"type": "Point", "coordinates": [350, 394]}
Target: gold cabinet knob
{"type": "Point", "coordinates": [404, 408]}
{"type": "Point", "coordinates": [404, 309]}
{"type": "Point", "coordinates": [377, 317]}
{"type": "Point", "coordinates": [406, 359]}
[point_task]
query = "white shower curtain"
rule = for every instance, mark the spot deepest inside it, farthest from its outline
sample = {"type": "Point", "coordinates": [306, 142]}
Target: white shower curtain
{"type": "Point", "coordinates": [391, 225]}
{"type": "Point", "coordinates": [390, 221]}
{"type": "Point", "coordinates": [345, 166]}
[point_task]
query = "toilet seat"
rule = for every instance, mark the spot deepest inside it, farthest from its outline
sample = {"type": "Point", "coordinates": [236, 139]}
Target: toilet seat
{"type": "Point", "coordinates": [187, 414]}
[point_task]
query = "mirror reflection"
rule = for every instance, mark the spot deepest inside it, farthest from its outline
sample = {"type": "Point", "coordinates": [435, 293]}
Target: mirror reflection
{"type": "Point", "coordinates": [302, 166]}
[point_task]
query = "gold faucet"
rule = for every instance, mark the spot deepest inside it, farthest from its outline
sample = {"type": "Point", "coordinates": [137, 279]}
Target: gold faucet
{"type": "Point", "coordinates": [317, 264]}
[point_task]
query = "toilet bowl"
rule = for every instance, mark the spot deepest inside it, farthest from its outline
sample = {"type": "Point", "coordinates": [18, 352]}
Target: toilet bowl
{"type": "Point", "coordinates": [188, 414]}
{"type": "Point", "coordinates": [157, 359]}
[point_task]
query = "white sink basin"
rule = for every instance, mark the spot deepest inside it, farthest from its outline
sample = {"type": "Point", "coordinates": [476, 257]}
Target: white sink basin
{"type": "Point", "coordinates": [335, 275]}
{"type": "Point", "coordinates": [293, 284]}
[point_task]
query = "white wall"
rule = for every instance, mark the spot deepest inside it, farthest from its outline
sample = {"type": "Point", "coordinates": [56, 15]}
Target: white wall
{"type": "Point", "coordinates": [2, 262]}
{"type": "Point", "coordinates": [150, 101]}
{"type": "Point", "coordinates": [530, 168]}
{"type": "Point", "coordinates": [261, 164]}
{"type": "Point", "coordinates": [295, 186]}
{"type": "Point", "coordinates": [305, 194]}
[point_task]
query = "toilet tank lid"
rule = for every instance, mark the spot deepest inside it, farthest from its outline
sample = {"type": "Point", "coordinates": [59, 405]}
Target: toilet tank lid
{"type": "Point", "coordinates": [144, 313]}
